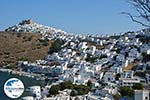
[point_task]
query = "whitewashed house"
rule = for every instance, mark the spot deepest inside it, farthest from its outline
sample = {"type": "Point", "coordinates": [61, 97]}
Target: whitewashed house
{"type": "Point", "coordinates": [127, 74]}
{"type": "Point", "coordinates": [35, 91]}
{"type": "Point", "coordinates": [109, 77]}
{"type": "Point", "coordinates": [148, 77]}
{"type": "Point", "coordinates": [141, 95]}
{"type": "Point", "coordinates": [128, 81]}
{"type": "Point", "coordinates": [98, 75]}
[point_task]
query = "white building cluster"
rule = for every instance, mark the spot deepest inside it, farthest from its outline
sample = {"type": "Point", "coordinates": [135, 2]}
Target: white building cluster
{"type": "Point", "coordinates": [113, 61]}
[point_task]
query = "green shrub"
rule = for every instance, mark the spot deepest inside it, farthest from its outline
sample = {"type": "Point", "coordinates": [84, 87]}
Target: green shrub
{"type": "Point", "coordinates": [89, 84]}
{"type": "Point", "coordinates": [54, 90]}
{"type": "Point", "coordinates": [76, 89]}
{"type": "Point", "coordinates": [73, 93]}
{"type": "Point", "coordinates": [146, 57]}
{"type": "Point", "coordinates": [56, 46]}
{"type": "Point", "coordinates": [116, 96]}
{"type": "Point", "coordinates": [138, 86]}
{"type": "Point", "coordinates": [117, 76]}
{"type": "Point", "coordinates": [66, 85]}
{"type": "Point", "coordinates": [44, 42]}
{"type": "Point", "coordinates": [91, 59]}
{"type": "Point", "coordinates": [23, 59]}
{"type": "Point", "coordinates": [126, 91]}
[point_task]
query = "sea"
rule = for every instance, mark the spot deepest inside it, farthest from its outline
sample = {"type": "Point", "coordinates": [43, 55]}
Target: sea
{"type": "Point", "coordinates": [4, 76]}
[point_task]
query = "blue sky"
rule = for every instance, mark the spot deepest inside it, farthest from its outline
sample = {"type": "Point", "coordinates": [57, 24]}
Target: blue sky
{"type": "Point", "coordinates": [77, 16]}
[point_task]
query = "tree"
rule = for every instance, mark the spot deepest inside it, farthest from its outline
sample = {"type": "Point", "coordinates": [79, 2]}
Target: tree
{"type": "Point", "coordinates": [145, 57]}
{"type": "Point", "coordinates": [76, 89]}
{"type": "Point", "coordinates": [126, 91]}
{"type": "Point", "coordinates": [138, 86]}
{"type": "Point", "coordinates": [117, 76]}
{"type": "Point", "coordinates": [54, 90]}
{"type": "Point", "coordinates": [116, 96]}
{"type": "Point", "coordinates": [81, 89]}
{"type": "Point", "coordinates": [66, 85]}
{"type": "Point", "coordinates": [89, 84]}
{"type": "Point", "coordinates": [142, 8]}
{"type": "Point", "coordinates": [73, 93]}
{"type": "Point", "coordinates": [56, 46]}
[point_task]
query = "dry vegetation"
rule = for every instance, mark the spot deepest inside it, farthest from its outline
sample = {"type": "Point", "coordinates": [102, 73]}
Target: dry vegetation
{"type": "Point", "coordinates": [131, 66]}
{"type": "Point", "coordinates": [21, 46]}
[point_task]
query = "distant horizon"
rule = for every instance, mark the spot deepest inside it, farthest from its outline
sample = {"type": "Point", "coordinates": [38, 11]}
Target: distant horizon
{"type": "Point", "coordinates": [73, 16]}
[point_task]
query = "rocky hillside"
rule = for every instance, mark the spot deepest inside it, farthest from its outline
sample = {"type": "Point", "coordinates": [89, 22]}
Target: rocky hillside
{"type": "Point", "coordinates": [17, 46]}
